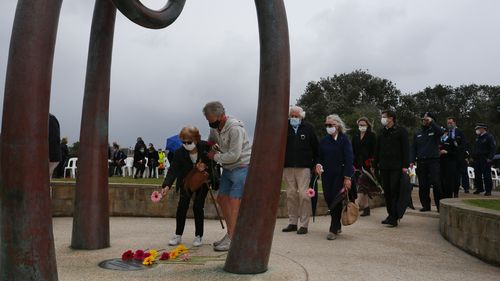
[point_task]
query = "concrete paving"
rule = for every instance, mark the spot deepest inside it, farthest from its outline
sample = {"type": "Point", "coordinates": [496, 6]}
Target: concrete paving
{"type": "Point", "coordinates": [365, 251]}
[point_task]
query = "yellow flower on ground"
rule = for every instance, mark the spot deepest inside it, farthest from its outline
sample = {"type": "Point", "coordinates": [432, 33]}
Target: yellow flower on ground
{"type": "Point", "coordinates": [174, 254]}
{"type": "Point", "coordinates": [154, 253]}
{"type": "Point", "coordinates": [181, 249]}
{"type": "Point", "coordinates": [148, 261]}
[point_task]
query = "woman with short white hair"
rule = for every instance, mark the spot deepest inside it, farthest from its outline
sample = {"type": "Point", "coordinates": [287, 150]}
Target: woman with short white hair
{"type": "Point", "coordinates": [335, 165]}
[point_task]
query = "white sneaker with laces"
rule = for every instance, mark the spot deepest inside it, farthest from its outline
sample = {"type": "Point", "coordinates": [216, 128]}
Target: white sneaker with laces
{"type": "Point", "coordinates": [223, 246]}
{"type": "Point", "coordinates": [222, 240]}
{"type": "Point", "coordinates": [176, 240]}
{"type": "Point", "coordinates": [197, 241]}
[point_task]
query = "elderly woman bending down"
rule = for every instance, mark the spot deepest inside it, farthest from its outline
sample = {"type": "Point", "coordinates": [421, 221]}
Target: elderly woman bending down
{"type": "Point", "coordinates": [335, 167]}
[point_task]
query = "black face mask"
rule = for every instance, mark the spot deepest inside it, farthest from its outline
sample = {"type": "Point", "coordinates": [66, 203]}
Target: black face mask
{"type": "Point", "coordinates": [214, 125]}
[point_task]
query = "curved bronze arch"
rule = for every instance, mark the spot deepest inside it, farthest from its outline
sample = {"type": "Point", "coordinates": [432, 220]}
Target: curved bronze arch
{"type": "Point", "coordinates": [27, 246]}
{"type": "Point", "coordinates": [135, 11]}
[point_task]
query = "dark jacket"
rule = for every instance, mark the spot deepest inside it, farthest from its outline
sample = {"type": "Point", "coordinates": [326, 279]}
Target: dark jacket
{"type": "Point", "coordinates": [426, 143]}
{"type": "Point", "coordinates": [363, 149]}
{"type": "Point", "coordinates": [54, 139]}
{"type": "Point", "coordinates": [301, 147]}
{"type": "Point", "coordinates": [138, 156]}
{"type": "Point", "coordinates": [337, 160]}
{"type": "Point", "coordinates": [485, 147]}
{"type": "Point", "coordinates": [118, 156]}
{"type": "Point", "coordinates": [153, 156]}
{"type": "Point", "coordinates": [451, 146]}
{"type": "Point", "coordinates": [392, 149]}
{"type": "Point", "coordinates": [64, 152]}
{"type": "Point", "coordinates": [182, 164]}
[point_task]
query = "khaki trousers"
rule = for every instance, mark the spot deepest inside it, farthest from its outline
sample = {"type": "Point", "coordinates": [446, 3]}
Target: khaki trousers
{"type": "Point", "coordinates": [299, 204]}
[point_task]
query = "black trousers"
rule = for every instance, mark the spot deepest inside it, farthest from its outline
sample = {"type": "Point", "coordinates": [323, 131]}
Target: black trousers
{"type": "Point", "coordinates": [428, 172]}
{"type": "Point", "coordinates": [140, 170]}
{"type": "Point", "coordinates": [450, 178]}
{"type": "Point", "coordinates": [336, 214]}
{"type": "Point", "coordinates": [391, 181]}
{"type": "Point", "coordinates": [198, 210]}
{"type": "Point", "coordinates": [482, 172]}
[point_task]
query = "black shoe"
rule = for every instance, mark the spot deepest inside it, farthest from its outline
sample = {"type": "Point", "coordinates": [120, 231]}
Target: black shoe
{"type": "Point", "coordinates": [487, 193]}
{"type": "Point", "coordinates": [290, 228]}
{"type": "Point", "coordinates": [467, 192]}
{"type": "Point", "coordinates": [478, 192]}
{"type": "Point", "coordinates": [392, 223]}
{"type": "Point", "coordinates": [302, 230]}
{"type": "Point", "coordinates": [425, 209]}
{"type": "Point", "coordinates": [366, 212]}
{"type": "Point", "coordinates": [386, 221]}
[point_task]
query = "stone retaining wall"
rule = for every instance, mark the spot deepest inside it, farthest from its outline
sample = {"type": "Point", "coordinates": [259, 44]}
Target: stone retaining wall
{"type": "Point", "coordinates": [134, 201]}
{"type": "Point", "coordinates": [473, 229]}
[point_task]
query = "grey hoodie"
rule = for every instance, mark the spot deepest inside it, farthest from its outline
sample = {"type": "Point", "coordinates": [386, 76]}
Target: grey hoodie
{"type": "Point", "coordinates": [233, 142]}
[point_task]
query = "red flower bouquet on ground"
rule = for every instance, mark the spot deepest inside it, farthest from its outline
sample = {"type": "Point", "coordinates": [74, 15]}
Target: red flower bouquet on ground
{"type": "Point", "coordinates": [128, 255]}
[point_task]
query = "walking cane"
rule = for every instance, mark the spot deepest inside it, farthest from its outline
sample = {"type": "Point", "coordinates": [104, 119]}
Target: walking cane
{"type": "Point", "coordinates": [215, 205]}
{"type": "Point", "coordinates": [213, 197]}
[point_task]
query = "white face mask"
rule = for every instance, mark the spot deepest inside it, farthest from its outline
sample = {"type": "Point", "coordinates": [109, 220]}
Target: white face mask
{"type": "Point", "coordinates": [331, 130]}
{"type": "Point", "coordinates": [384, 121]}
{"type": "Point", "coordinates": [478, 132]}
{"type": "Point", "coordinates": [362, 128]}
{"type": "Point", "coordinates": [189, 147]}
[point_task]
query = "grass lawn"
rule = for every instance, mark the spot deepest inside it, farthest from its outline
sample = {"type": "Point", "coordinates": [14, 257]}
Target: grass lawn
{"type": "Point", "coordinates": [493, 204]}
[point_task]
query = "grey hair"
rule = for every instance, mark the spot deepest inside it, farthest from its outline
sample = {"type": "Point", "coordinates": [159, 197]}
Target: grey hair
{"type": "Point", "coordinates": [298, 109]}
{"type": "Point", "coordinates": [335, 117]}
{"type": "Point", "coordinates": [214, 108]}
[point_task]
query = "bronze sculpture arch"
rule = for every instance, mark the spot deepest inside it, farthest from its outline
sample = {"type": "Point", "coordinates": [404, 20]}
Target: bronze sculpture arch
{"type": "Point", "coordinates": [27, 246]}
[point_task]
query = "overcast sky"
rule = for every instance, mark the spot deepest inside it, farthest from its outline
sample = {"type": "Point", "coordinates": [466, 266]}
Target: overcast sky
{"type": "Point", "coordinates": [162, 78]}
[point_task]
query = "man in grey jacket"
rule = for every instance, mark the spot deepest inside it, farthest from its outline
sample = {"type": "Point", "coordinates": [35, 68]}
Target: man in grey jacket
{"type": "Point", "coordinates": [232, 151]}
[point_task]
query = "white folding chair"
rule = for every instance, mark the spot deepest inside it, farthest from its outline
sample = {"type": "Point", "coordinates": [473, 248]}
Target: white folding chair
{"type": "Point", "coordinates": [167, 166]}
{"type": "Point", "coordinates": [470, 172]}
{"type": "Point", "coordinates": [129, 167]}
{"type": "Point", "coordinates": [494, 176]}
{"type": "Point", "coordinates": [71, 167]}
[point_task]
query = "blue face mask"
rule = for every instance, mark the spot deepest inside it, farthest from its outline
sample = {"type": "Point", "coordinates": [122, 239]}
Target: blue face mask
{"type": "Point", "coordinates": [295, 122]}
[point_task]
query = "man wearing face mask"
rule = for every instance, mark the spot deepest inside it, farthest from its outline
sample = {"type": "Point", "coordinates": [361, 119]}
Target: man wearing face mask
{"type": "Point", "coordinates": [426, 153]}
{"type": "Point", "coordinates": [483, 153]}
{"type": "Point", "coordinates": [233, 153]}
{"type": "Point", "coordinates": [453, 154]}
{"type": "Point", "coordinates": [300, 158]}
{"type": "Point", "coordinates": [391, 159]}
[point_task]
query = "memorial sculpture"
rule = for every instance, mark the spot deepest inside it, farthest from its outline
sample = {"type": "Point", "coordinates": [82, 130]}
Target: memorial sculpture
{"type": "Point", "coordinates": [27, 243]}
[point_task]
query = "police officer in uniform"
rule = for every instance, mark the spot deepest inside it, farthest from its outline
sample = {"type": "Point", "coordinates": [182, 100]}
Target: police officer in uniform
{"type": "Point", "coordinates": [453, 154]}
{"type": "Point", "coordinates": [483, 153]}
{"type": "Point", "coordinates": [425, 153]}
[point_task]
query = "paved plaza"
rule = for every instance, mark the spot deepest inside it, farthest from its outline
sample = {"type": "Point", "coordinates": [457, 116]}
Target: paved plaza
{"type": "Point", "coordinates": [365, 251]}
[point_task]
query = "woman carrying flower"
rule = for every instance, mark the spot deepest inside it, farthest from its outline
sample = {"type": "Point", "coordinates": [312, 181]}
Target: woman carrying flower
{"type": "Point", "coordinates": [363, 147]}
{"type": "Point", "coordinates": [193, 153]}
{"type": "Point", "coordinates": [335, 167]}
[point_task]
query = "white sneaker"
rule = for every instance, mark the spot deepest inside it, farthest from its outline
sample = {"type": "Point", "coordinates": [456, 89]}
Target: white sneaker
{"type": "Point", "coordinates": [197, 241]}
{"type": "Point", "coordinates": [223, 246]}
{"type": "Point", "coordinates": [176, 240]}
{"type": "Point", "coordinates": [220, 241]}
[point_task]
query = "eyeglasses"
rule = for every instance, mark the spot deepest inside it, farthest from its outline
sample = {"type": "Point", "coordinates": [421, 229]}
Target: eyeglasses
{"type": "Point", "coordinates": [187, 142]}
{"type": "Point", "coordinates": [329, 125]}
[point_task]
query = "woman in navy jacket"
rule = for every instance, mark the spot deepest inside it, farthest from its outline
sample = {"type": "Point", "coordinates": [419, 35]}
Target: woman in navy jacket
{"type": "Point", "coordinates": [336, 166]}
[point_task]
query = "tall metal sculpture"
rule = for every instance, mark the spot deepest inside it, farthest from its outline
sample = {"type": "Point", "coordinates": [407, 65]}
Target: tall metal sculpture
{"type": "Point", "coordinates": [27, 243]}
{"type": "Point", "coordinates": [91, 212]}
{"type": "Point", "coordinates": [252, 240]}
{"type": "Point", "coordinates": [25, 124]}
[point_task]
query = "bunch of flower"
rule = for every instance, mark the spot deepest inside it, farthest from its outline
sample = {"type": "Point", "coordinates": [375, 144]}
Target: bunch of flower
{"type": "Point", "coordinates": [152, 256]}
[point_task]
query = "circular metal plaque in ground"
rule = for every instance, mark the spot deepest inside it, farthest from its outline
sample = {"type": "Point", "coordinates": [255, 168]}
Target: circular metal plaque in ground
{"type": "Point", "coordinates": [118, 264]}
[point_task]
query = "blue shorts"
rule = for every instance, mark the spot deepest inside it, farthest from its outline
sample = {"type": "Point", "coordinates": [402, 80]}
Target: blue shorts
{"type": "Point", "coordinates": [232, 182]}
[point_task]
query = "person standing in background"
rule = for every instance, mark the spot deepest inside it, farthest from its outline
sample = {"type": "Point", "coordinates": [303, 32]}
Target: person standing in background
{"type": "Point", "coordinates": [483, 154]}
{"type": "Point", "coordinates": [54, 144]}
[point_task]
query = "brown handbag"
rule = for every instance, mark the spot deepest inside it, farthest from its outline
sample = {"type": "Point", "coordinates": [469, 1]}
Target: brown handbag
{"type": "Point", "coordinates": [350, 212]}
{"type": "Point", "coordinates": [195, 179]}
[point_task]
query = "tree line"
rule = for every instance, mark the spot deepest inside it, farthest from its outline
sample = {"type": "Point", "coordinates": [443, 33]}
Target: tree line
{"type": "Point", "coordinates": [356, 94]}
